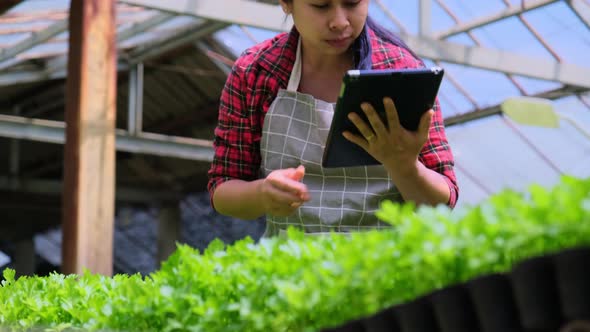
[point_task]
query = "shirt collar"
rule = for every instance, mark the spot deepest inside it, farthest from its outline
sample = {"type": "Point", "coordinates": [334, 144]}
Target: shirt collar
{"type": "Point", "coordinates": [279, 59]}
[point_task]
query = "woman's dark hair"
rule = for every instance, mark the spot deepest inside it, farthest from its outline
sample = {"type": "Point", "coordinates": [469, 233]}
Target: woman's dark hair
{"type": "Point", "coordinates": [363, 43]}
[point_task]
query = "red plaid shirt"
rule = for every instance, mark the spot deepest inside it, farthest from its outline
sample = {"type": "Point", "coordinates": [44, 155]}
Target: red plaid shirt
{"type": "Point", "coordinates": [251, 87]}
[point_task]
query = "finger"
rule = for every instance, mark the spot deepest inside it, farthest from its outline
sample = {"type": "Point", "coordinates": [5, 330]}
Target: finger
{"type": "Point", "coordinates": [283, 179]}
{"type": "Point", "coordinates": [289, 186]}
{"type": "Point", "coordinates": [374, 119]}
{"type": "Point", "coordinates": [392, 116]}
{"type": "Point", "coordinates": [358, 140]}
{"type": "Point", "coordinates": [282, 209]}
{"type": "Point", "coordinates": [361, 125]}
{"type": "Point", "coordinates": [283, 198]}
{"type": "Point", "coordinates": [305, 196]}
{"type": "Point", "coordinates": [424, 126]}
{"type": "Point", "coordinates": [298, 173]}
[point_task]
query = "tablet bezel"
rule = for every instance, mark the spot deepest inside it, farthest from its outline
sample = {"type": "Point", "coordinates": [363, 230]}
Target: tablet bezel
{"type": "Point", "coordinates": [414, 89]}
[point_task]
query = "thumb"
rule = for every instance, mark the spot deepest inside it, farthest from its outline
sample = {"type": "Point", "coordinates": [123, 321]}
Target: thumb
{"type": "Point", "coordinates": [299, 173]}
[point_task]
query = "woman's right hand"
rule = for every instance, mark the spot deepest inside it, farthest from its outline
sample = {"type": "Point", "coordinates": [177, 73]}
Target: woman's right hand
{"type": "Point", "coordinates": [282, 191]}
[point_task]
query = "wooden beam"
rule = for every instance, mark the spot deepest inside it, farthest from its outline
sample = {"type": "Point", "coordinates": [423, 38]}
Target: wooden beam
{"type": "Point", "coordinates": [89, 165]}
{"type": "Point", "coordinates": [22, 220]}
{"type": "Point", "coordinates": [561, 92]}
{"type": "Point", "coordinates": [148, 193]}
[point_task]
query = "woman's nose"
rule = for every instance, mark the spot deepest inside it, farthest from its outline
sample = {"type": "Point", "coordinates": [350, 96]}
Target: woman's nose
{"type": "Point", "coordinates": [339, 20]}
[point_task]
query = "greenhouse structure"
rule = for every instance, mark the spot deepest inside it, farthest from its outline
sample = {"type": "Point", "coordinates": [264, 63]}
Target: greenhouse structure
{"type": "Point", "coordinates": [107, 118]}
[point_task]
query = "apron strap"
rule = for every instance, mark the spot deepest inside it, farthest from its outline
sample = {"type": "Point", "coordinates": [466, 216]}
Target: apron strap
{"type": "Point", "coordinates": [295, 77]}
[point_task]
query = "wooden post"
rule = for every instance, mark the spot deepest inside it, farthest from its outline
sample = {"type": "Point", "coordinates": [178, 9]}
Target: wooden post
{"type": "Point", "coordinates": [169, 230]}
{"type": "Point", "coordinates": [89, 165]}
{"type": "Point", "coordinates": [24, 258]}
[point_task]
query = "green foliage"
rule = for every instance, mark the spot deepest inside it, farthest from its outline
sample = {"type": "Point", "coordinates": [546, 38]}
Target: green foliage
{"type": "Point", "coordinates": [307, 283]}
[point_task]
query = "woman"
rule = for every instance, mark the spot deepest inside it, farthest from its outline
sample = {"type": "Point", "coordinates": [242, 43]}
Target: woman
{"type": "Point", "coordinates": [275, 113]}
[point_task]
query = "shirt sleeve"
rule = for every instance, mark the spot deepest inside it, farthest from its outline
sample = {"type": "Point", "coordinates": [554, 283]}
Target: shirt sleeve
{"type": "Point", "coordinates": [437, 155]}
{"type": "Point", "coordinates": [236, 143]}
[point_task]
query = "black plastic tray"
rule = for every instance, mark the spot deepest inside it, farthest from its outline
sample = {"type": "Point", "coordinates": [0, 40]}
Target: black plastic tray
{"type": "Point", "coordinates": [542, 294]}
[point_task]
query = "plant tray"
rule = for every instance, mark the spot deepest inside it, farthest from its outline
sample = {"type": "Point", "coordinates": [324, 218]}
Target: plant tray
{"type": "Point", "coordinates": [549, 293]}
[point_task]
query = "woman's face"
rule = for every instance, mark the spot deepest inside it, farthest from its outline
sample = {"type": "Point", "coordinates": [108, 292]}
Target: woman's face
{"type": "Point", "coordinates": [329, 26]}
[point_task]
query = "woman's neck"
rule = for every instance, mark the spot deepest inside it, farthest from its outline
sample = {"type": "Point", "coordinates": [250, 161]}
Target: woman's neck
{"type": "Point", "coordinates": [314, 61]}
{"type": "Point", "coordinates": [321, 75]}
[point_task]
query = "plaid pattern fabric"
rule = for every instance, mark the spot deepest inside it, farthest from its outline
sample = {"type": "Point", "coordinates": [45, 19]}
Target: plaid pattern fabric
{"type": "Point", "coordinates": [253, 85]}
{"type": "Point", "coordinates": [342, 199]}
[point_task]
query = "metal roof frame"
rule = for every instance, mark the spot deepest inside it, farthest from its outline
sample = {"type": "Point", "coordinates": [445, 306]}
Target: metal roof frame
{"type": "Point", "coordinates": [582, 10]}
{"type": "Point", "coordinates": [268, 17]}
{"type": "Point", "coordinates": [215, 15]}
{"type": "Point", "coordinates": [149, 143]}
{"type": "Point", "coordinates": [503, 14]}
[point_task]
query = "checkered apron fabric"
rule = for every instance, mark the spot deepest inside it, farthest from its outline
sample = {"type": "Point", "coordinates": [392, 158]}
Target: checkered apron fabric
{"type": "Point", "coordinates": [342, 199]}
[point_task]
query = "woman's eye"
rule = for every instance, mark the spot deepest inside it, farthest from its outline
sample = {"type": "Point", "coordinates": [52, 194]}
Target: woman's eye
{"type": "Point", "coordinates": [345, 4]}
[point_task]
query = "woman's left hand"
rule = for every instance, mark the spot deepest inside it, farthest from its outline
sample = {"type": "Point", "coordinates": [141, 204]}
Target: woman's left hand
{"type": "Point", "coordinates": [392, 145]}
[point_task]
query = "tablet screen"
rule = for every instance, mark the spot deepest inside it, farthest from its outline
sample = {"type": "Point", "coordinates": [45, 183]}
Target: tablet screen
{"type": "Point", "coordinates": [412, 90]}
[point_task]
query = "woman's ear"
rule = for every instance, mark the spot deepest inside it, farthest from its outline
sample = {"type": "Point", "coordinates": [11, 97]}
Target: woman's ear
{"type": "Point", "coordinates": [286, 6]}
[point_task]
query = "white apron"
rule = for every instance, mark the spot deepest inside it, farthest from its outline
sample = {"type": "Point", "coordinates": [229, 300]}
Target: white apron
{"type": "Point", "coordinates": [342, 199]}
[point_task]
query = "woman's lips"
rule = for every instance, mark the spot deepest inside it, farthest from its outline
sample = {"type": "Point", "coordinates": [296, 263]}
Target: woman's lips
{"type": "Point", "coordinates": [339, 42]}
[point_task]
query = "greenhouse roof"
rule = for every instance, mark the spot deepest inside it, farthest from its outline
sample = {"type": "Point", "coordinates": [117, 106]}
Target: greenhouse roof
{"type": "Point", "coordinates": [491, 51]}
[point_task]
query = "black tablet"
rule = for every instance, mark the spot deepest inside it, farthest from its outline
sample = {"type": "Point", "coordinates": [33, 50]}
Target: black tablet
{"type": "Point", "coordinates": [412, 90]}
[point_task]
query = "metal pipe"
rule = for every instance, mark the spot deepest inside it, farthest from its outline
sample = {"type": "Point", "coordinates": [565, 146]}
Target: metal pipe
{"type": "Point", "coordinates": [135, 111]}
